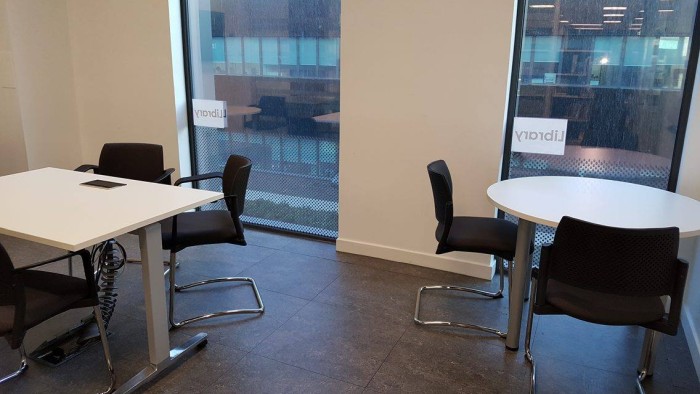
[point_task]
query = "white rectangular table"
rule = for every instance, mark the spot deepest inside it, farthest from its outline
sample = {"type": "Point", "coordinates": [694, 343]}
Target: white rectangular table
{"type": "Point", "coordinates": [49, 206]}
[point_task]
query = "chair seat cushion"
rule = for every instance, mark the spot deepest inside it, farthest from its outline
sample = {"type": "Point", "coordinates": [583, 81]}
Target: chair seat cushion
{"type": "Point", "coordinates": [201, 228]}
{"type": "Point", "coordinates": [483, 235]}
{"type": "Point", "coordinates": [47, 294]}
{"type": "Point", "coordinates": [603, 308]}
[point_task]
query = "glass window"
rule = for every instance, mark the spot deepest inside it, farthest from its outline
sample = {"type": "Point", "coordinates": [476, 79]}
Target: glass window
{"type": "Point", "coordinates": [617, 80]}
{"type": "Point", "coordinates": [307, 51]}
{"type": "Point", "coordinates": [328, 52]}
{"type": "Point", "coordinates": [218, 55]}
{"type": "Point", "coordinates": [639, 51]}
{"type": "Point", "coordinates": [276, 65]}
{"type": "Point", "coordinates": [234, 52]}
{"type": "Point", "coordinates": [251, 55]}
{"type": "Point", "coordinates": [270, 54]}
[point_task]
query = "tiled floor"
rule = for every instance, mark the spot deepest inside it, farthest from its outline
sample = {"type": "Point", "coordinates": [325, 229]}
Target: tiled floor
{"type": "Point", "coordinates": [336, 323]}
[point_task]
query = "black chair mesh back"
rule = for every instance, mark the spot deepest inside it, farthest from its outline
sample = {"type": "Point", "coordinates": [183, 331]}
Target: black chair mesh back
{"type": "Point", "coordinates": [6, 268]}
{"type": "Point", "coordinates": [631, 262]}
{"type": "Point", "coordinates": [235, 182]}
{"type": "Point", "coordinates": [141, 162]}
{"type": "Point", "coordinates": [441, 182]}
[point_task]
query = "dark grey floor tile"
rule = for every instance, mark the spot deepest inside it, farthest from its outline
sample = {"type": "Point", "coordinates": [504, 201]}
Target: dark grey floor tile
{"type": "Point", "coordinates": [294, 274]}
{"type": "Point", "coordinates": [348, 335]}
{"type": "Point", "coordinates": [199, 371]}
{"type": "Point", "coordinates": [380, 291]}
{"type": "Point", "coordinates": [609, 348]}
{"type": "Point", "coordinates": [256, 374]}
{"type": "Point", "coordinates": [427, 360]}
{"type": "Point", "coordinates": [243, 331]}
{"type": "Point", "coordinates": [341, 342]}
{"type": "Point", "coordinates": [311, 247]}
{"type": "Point", "coordinates": [221, 260]}
{"type": "Point", "coordinates": [556, 376]}
{"type": "Point", "coordinates": [268, 239]}
{"type": "Point", "coordinates": [429, 275]}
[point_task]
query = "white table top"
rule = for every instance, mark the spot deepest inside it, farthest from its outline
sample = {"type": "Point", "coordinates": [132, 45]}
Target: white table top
{"type": "Point", "coordinates": [241, 110]}
{"type": "Point", "coordinates": [546, 199]}
{"type": "Point", "coordinates": [50, 206]}
{"type": "Point", "coordinates": [333, 118]}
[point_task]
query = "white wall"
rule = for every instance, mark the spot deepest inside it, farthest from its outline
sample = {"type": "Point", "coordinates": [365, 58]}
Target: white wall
{"type": "Point", "coordinates": [87, 73]}
{"type": "Point", "coordinates": [689, 185]}
{"type": "Point", "coordinates": [39, 40]}
{"type": "Point", "coordinates": [125, 84]}
{"type": "Point", "coordinates": [420, 81]}
{"type": "Point", "coordinates": [13, 154]}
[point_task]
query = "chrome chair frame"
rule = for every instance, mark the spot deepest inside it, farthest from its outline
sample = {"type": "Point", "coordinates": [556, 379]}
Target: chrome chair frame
{"type": "Point", "coordinates": [234, 203]}
{"type": "Point", "coordinates": [178, 288]}
{"type": "Point", "coordinates": [497, 294]}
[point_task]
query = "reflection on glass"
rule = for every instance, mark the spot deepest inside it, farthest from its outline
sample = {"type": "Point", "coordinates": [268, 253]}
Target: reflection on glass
{"type": "Point", "coordinates": [617, 77]}
{"type": "Point", "coordinates": [277, 65]}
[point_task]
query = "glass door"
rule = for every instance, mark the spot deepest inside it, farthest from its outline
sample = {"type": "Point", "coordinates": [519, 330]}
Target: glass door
{"type": "Point", "coordinates": [265, 83]}
{"type": "Point", "coordinates": [601, 89]}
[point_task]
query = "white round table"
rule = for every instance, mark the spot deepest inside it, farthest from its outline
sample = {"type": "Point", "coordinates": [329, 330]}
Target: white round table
{"type": "Point", "coordinates": [546, 199]}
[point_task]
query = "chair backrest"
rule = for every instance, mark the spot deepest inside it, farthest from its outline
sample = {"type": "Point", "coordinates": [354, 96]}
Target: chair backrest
{"type": "Point", "coordinates": [441, 182]}
{"type": "Point", "coordinates": [272, 106]}
{"type": "Point", "coordinates": [235, 180]}
{"type": "Point", "coordinates": [632, 262]}
{"type": "Point", "coordinates": [141, 162]}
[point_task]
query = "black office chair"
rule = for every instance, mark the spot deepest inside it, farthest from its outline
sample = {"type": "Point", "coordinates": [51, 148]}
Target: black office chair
{"type": "Point", "coordinates": [466, 234]}
{"type": "Point", "coordinates": [131, 160]}
{"type": "Point", "coordinates": [273, 113]}
{"type": "Point", "coordinates": [29, 297]}
{"type": "Point", "coordinates": [211, 227]}
{"type": "Point", "coordinates": [611, 276]}
{"type": "Point", "coordinates": [138, 161]}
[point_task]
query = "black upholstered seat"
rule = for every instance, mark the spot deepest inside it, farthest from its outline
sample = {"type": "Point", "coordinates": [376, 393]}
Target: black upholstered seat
{"type": "Point", "coordinates": [482, 235]}
{"type": "Point", "coordinates": [29, 297]}
{"type": "Point", "coordinates": [486, 235]}
{"type": "Point", "coordinates": [206, 227]}
{"type": "Point", "coordinates": [610, 276]}
{"type": "Point", "coordinates": [201, 228]}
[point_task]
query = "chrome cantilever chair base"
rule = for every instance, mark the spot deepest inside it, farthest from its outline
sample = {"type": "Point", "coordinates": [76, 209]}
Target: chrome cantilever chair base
{"type": "Point", "coordinates": [178, 288]}
{"type": "Point", "coordinates": [497, 294]}
{"type": "Point", "coordinates": [22, 366]}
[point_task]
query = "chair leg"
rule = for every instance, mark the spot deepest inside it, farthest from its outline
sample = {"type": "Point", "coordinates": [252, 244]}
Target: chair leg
{"type": "Point", "coordinates": [176, 288]}
{"type": "Point", "coordinates": [22, 366]}
{"type": "Point", "coordinates": [528, 335]}
{"type": "Point", "coordinates": [498, 294]}
{"type": "Point", "coordinates": [105, 348]}
{"type": "Point", "coordinates": [651, 340]}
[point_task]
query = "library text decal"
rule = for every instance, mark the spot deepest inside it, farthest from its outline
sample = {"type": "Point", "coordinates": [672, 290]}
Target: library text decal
{"type": "Point", "coordinates": [539, 135]}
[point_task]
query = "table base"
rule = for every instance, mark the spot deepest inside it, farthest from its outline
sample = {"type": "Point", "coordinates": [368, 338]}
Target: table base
{"type": "Point", "coordinates": [153, 371]}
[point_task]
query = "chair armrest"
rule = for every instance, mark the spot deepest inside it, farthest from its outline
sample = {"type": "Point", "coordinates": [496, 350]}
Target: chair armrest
{"type": "Point", "coordinates": [86, 168]}
{"type": "Point", "coordinates": [200, 177]}
{"type": "Point", "coordinates": [165, 175]}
